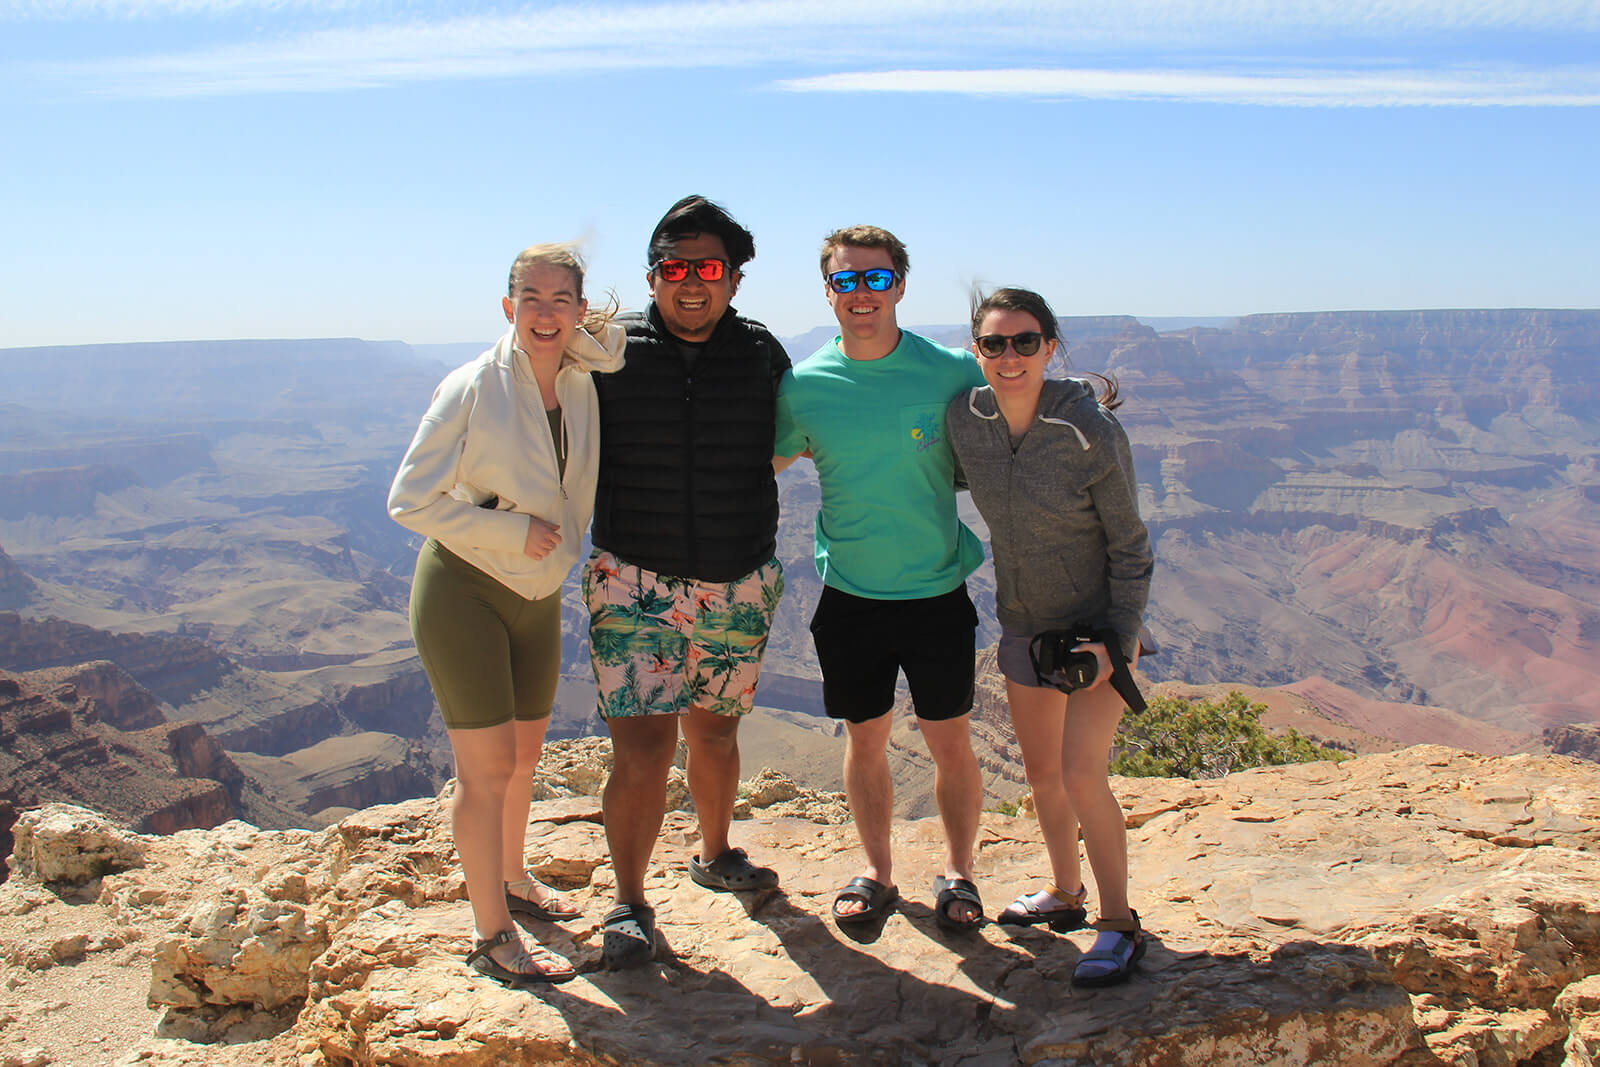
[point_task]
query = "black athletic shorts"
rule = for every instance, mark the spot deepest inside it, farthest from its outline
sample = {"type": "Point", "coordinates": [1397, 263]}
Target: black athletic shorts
{"type": "Point", "coordinates": [863, 644]}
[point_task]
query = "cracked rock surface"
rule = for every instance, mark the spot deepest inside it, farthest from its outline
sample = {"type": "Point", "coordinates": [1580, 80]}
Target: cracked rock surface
{"type": "Point", "coordinates": [1416, 907]}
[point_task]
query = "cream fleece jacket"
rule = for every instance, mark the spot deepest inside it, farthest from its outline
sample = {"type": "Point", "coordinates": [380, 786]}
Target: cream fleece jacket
{"type": "Point", "coordinates": [486, 436]}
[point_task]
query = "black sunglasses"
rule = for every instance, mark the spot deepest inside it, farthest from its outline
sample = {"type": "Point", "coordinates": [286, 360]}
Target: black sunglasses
{"type": "Point", "coordinates": [709, 269]}
{"type": "Point", "coordinates": [993, 345]}
{"type": "Point", "coordinates": [845, 281]}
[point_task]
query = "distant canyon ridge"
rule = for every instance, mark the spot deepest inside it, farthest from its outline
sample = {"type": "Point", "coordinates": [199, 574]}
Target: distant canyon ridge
{"type": "Point", "coordinates": [1389, 519]}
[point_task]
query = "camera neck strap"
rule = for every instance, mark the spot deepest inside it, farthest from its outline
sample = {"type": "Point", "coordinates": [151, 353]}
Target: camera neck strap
{"type": "Point", "coordinates": [1121, 677]}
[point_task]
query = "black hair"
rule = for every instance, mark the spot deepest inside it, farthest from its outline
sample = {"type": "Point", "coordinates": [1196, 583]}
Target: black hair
{"type": "Point", "coordinates": [696, 215]}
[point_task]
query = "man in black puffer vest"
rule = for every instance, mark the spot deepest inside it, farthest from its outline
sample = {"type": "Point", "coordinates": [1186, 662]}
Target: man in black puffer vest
{"type": "Point", "coordinates": [683, 584]}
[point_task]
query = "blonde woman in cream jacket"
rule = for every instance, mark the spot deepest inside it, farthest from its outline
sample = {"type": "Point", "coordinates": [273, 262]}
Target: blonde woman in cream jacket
{"type": "Point", "coordinates": [500, 479]}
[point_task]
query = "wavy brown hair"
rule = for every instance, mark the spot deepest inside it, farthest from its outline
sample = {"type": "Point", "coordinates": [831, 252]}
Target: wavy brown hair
{"type": "Point", "coordinates": [1030, 302]}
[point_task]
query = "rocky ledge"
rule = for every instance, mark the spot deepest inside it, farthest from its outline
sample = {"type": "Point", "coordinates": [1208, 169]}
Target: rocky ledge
{"type": "Point", "coordinates": [1416, 907]}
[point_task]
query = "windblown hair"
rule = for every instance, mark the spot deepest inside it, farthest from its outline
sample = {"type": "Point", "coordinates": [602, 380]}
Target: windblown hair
{"type": "Point", "coordinates": [694, 215]}
{"type": "Point", "coordinates": [1030, 302]}
{"type": "Point", "coordinates": [567, 258]}
{"type": "Point", "coordinates": [867, 237]}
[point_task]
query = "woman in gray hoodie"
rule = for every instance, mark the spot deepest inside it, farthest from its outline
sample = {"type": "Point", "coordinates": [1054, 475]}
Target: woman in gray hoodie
{"type": "Point", "coordinates": [1051, 472]}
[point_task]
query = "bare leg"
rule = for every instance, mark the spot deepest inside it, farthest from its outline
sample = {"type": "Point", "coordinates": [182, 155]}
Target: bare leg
{"type": "Point", "coordinates": [1090, 726]}
{"type": "Point", "coordinates": [713, 775]}
{"type": "Point", "coordinates": [958, 791]}
{"type": "Point", "coordinates": [485, 760]}
{"type": "Point", "coordinates": [635, 796]}
{"type": "Point", "coordinates": [519, 792]}
{"type": "Point", "coordinates": [870, 790]}
{"type": "Point", "coordinates": [1039, 718]}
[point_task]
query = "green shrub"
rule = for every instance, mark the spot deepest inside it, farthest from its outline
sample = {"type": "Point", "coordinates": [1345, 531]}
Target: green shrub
{"type": "Point", "coordinates": [1175, 738]}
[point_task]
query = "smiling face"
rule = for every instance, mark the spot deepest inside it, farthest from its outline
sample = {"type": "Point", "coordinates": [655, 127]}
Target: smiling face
{"type": "Point", "coordinates": [692, 308]}
{"type": "Point", "coordinates": [868, 327]}
{"type": "Point", "coordinates": [546, 309]}
{"type": "Point", "coordinates": [1013, 377]}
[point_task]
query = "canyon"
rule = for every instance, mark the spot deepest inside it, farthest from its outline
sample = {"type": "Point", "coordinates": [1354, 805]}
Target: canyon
{"type": "Point", "coordinates": [1385, 525]}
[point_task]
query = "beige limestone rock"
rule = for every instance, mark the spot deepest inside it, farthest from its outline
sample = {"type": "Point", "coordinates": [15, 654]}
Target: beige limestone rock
{"type": "Point", "coordinates": [830, 809]}
{"type": "Point", "coordinates": [576, 765]}
{"type": "Point", "coordinates": [1418, 907]}
{"type": "Point", "coordinates": [65, 843]}
{"type": "Point", "coordinates": [1579, 1005]}
{"type": "Point", "coordinates": [238, 948]}
{"type": "Point", "coordinates": [768, 787]}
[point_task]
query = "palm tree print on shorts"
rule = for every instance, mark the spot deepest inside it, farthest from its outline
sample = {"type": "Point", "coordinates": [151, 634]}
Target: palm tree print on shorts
{"type": "Point", "coordinates": [660, 644]}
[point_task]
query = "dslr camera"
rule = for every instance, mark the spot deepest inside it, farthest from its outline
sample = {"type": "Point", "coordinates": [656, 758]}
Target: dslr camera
{"type": "Point", "coordinates": [1055, 662]}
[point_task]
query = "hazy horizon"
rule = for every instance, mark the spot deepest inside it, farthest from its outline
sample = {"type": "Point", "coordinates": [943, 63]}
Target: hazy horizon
{"type": "Point", "coordinates": [1159, 323]}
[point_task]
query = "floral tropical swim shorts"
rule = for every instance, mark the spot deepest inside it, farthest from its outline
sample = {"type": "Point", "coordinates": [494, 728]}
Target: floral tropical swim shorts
{"type": "Point", "coordinates": [660, 644]}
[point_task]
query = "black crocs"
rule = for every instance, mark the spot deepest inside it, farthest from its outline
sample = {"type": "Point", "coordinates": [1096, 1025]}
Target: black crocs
{"type": "Point", "coordinates": [732, 872]}
{"type": "Point", "coordinates": [628, 936]}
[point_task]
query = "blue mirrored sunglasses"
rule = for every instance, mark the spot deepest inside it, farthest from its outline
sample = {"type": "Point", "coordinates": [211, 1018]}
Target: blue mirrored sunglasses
{"type": "Point", "coordinates": [845, 281]}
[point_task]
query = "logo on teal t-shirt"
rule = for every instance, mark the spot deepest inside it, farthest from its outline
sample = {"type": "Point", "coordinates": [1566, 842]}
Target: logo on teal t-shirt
{"type": "Point", "coordinates": [927, 431]}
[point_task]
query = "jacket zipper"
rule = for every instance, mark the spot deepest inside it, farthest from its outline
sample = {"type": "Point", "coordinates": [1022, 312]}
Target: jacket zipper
{"type": "Point", "coordinates": [688, 467]}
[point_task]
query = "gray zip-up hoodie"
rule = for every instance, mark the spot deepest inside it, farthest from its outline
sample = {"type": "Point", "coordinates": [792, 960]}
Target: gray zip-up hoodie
{"type": "Point", "coordinates": [1062, 509]}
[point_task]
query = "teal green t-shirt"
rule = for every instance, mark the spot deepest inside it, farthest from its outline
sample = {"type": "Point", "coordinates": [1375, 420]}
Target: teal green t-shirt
{"type": "Point", "coordinates": [887, 528]}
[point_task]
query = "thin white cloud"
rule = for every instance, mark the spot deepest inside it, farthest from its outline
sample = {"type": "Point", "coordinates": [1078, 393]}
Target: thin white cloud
{"type": "Point", "coordinates": [1087, 17]}
{"type": "Point", "coordinates": [144, 10]}
{"type": "Point", "coordinates": [920, 36]}
{"type": "Point", "coordinates": [1488, 88]}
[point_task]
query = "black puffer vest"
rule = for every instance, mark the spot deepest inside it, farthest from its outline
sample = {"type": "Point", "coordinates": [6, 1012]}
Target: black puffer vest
{"type": "Point", "coordinates": [686, 486]}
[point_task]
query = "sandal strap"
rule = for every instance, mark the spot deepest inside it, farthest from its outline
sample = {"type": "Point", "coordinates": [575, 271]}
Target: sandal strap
{"type": "Point", "coordinates": [537, 963]}
{"type": "Point", "coordinates": [541, 955]}
{"type": "Point", "coordinates": [528, 885]}
{"type": "Point", "coordinates": [1051, 899]}
{"type": "Point", "coordinates": [1120, 926]}
{"type": "Point", "coordinates": [482, 948]}
{"type": "Point", "coordinates": [1060, 896]}
{"type": "Point", "coordinates": [630, 920]}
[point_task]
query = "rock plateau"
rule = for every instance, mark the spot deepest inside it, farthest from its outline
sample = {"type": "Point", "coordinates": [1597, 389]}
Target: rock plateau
{"type": "Point", "coordinates": [1423, 906]}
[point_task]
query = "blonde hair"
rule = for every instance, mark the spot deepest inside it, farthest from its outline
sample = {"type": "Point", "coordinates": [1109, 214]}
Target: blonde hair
{"type": "Point", "coordinates": [566, 257]}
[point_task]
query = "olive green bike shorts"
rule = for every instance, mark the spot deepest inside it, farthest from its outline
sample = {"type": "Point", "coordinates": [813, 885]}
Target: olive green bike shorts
{"type": "Point", "coordinates": [490, 655]}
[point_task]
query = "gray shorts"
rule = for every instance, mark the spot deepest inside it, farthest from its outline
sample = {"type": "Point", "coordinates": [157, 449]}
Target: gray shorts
{"type": "Point", "coordinates": [1015, 662]}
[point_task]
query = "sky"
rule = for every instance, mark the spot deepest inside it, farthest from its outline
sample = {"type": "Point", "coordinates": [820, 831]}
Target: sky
{"type": "Point", "coordinates": [209, 169]}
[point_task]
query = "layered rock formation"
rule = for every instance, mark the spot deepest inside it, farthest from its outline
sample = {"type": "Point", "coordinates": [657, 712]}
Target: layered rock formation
{"type": "Point", "coordinates": [1580, 741]}
{"type": "Point", "coordinates": [57, 744]}
{"type": "Point", "coordinates": [291, 731]}
{"type": "Point", "coordinates": [1422, 906]}
{"type": "Point", "coordinates": [61, 470]}
{"type": "Point", "coordinates": [69, 491]}
{"type": "Point", "coordinates": [1401, 503]}
{"type": "Point", "coordinates": [16, 588]}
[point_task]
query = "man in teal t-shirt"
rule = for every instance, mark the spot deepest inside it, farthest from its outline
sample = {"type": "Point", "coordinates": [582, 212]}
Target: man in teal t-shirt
{"type": "Point", "coordinates": [868, 407]}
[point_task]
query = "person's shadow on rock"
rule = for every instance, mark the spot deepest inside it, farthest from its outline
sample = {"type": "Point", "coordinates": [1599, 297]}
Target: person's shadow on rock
{"type": "Point", "coordinates": [880, 1004]}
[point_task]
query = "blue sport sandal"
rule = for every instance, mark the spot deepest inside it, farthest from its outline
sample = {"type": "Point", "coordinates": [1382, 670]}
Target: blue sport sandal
{"type": "Point", "coordinates": [1116, 950]}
